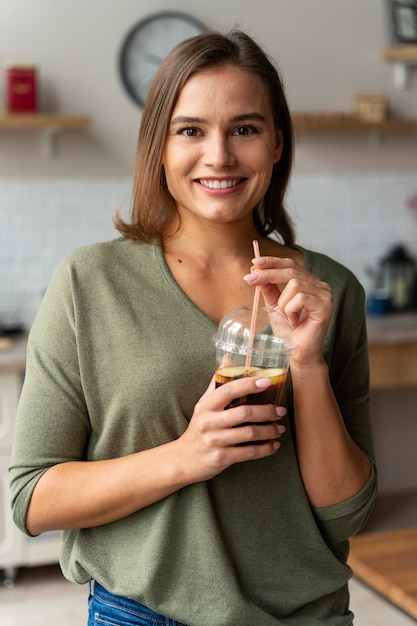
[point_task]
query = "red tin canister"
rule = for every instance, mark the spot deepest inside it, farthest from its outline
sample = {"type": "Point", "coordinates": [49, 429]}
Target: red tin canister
{"type": "Point", "coordinates": [20, 88]}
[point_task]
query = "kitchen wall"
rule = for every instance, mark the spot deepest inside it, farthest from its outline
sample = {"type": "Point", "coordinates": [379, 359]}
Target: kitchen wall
{"type": "Point", "coordinates": [348, 194]}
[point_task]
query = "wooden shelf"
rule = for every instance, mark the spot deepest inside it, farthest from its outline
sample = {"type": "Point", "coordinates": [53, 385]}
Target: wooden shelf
{"type": "Point", "coordinates": [48, 124]}
{"type": "Point", "coordinates": [40, 121]}
{"type": "Point", "coordinates": [403, 57]}
{"type": "Point", "coordinates": [401, 54]}
{"type": "Point", "coordinates": [347, 121]}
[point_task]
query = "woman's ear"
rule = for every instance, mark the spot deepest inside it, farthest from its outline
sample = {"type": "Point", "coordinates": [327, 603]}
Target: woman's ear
{"type": "Point", "coordinates": [279, 145]}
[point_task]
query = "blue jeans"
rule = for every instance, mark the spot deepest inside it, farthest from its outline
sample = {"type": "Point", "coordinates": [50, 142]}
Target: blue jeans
{"type": "Point", "coordinates": [106, 609]}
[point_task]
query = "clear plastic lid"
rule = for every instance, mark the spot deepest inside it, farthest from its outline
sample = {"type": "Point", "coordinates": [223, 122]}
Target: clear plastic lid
{"type": "Point", "coordinates": [272, 332]}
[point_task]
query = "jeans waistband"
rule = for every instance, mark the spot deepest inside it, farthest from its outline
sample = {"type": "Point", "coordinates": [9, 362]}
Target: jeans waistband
{"type": "Point", "coordinates": [132, 606]}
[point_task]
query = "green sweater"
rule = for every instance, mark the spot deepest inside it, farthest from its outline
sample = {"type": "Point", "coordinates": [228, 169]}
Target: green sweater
{"type": "Point", "coordinates": [117, 358]}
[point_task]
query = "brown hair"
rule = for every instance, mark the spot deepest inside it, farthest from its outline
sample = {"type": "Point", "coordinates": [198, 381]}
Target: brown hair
{"type": "Point", "coordinates": [153, 208]}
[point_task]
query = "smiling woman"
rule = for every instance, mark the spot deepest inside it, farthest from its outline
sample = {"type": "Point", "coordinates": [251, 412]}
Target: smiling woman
{"type": "Point", "coordinates": [153, 208]}
{"type": "Point", "coordinates": [177, 505]}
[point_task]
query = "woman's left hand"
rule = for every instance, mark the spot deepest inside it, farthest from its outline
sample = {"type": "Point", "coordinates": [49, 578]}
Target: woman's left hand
{"type": "Point", "coordinates": [306, 301]}
{"type": "Point", "coordinates": [333, 468]}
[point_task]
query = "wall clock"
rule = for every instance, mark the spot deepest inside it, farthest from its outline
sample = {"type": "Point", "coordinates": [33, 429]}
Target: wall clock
{"type": "Point", "coordinates": [146, 46]}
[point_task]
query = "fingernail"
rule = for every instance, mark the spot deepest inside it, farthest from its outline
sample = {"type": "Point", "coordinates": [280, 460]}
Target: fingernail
{"type": "Point", "coordinates": [281, 429]}
{"type": "Point", "coordinates": [280, 411]}
{"type": "Point", "coordinates": [262, 383]}
{"type": "Point", "coordinates": [251, 278]}
{"type": "Point", "coordinates": [276, 445]}
{"type": "Point", "coordinates": [260, 260]}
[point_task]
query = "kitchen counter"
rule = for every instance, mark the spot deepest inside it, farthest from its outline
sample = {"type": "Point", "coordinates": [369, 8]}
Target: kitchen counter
{"type": "Point", "coordinates": [392, 329]}
{"type": "Point", "coordinates": [13, 354]}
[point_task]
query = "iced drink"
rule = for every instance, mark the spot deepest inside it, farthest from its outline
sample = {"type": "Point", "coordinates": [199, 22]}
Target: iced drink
{"type": "Point", "coordinates": [268, 353]}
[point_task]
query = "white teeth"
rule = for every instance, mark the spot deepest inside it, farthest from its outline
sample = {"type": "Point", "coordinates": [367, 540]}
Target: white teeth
{"type": "Point", "coordinates": [219, 184]}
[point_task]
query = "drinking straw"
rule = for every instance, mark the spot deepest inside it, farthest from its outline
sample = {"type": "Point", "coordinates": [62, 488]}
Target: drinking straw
{"type": "Point", "coordinates": [254, 316]}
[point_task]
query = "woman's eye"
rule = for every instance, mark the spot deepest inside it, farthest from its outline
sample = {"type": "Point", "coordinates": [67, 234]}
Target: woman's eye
{"type": "Point", "coordinates": [244, 130]}
{"type": "Point", "coordinates": [189, 132]}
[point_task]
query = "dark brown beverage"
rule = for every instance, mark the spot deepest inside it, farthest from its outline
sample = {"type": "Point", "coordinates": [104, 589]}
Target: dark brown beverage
{"type": "Point", "coordinates": [272, 395]}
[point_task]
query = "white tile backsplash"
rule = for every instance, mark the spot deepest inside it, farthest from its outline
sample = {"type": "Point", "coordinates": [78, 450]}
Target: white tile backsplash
{"type": "Point", "coordinates": [40, 222]}
{"type": "Point", "coordinates": [353, 218]}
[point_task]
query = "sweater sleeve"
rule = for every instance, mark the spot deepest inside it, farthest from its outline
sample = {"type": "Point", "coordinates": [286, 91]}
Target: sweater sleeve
{"type": "Point", "coordinates": [346, 351]}
{"type": "Point", "coordinates": [52, 423]}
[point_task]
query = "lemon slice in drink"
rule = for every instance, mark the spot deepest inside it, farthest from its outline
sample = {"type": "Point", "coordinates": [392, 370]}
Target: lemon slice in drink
{"type": "Point", "coordinates": [232, 372]}
{"type": "Point", "coordinates": [277, 375]}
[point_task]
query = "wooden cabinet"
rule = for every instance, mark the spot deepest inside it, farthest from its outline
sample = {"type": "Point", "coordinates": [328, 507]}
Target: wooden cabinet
{"type": "Point", "coordinates": [393, 350]}
{"type": "Point", "coordinates": [393, 366]}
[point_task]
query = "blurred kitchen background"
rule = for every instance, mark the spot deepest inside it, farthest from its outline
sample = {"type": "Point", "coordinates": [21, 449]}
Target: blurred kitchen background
{"type": "Point", "coordinates": [353, 193]}
{"type": "Point", "coordinates": [350, 187]}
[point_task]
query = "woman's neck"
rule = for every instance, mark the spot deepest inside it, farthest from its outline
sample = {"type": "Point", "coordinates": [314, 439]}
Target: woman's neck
{"type": "Point", "coordinates": [212, 244]}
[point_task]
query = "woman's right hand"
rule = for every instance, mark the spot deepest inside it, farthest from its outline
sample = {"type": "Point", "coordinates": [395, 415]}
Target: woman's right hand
{"type": "Point", "coordinates": [211, 442]}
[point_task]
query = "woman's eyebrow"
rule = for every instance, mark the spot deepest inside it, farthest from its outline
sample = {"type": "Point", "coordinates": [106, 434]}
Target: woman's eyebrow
{"type": "Point", "coordinates": [185, 119]}
{"type": "Point", "coordinates": [249, 116]}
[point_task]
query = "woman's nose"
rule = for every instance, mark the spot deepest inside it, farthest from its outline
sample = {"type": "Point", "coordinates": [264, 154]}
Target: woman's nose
{"type": "Point", "coordinates": [218, 151]}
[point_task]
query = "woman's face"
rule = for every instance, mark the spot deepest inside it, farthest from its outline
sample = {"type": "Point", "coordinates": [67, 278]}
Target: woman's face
{"type": "Point", "coordinates": [221, 145]}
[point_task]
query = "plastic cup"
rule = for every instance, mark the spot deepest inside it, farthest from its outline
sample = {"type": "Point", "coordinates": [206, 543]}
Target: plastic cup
{"type": "Point", "coordinates": [269, 353]}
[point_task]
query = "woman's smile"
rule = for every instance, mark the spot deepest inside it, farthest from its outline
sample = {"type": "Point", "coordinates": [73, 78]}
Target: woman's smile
{"type": "Point", "coordinates": [221, 184]}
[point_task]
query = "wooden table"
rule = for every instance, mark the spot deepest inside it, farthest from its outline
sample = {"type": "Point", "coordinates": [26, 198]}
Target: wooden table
{"type": "Point", "coordinates": [387, 562]}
